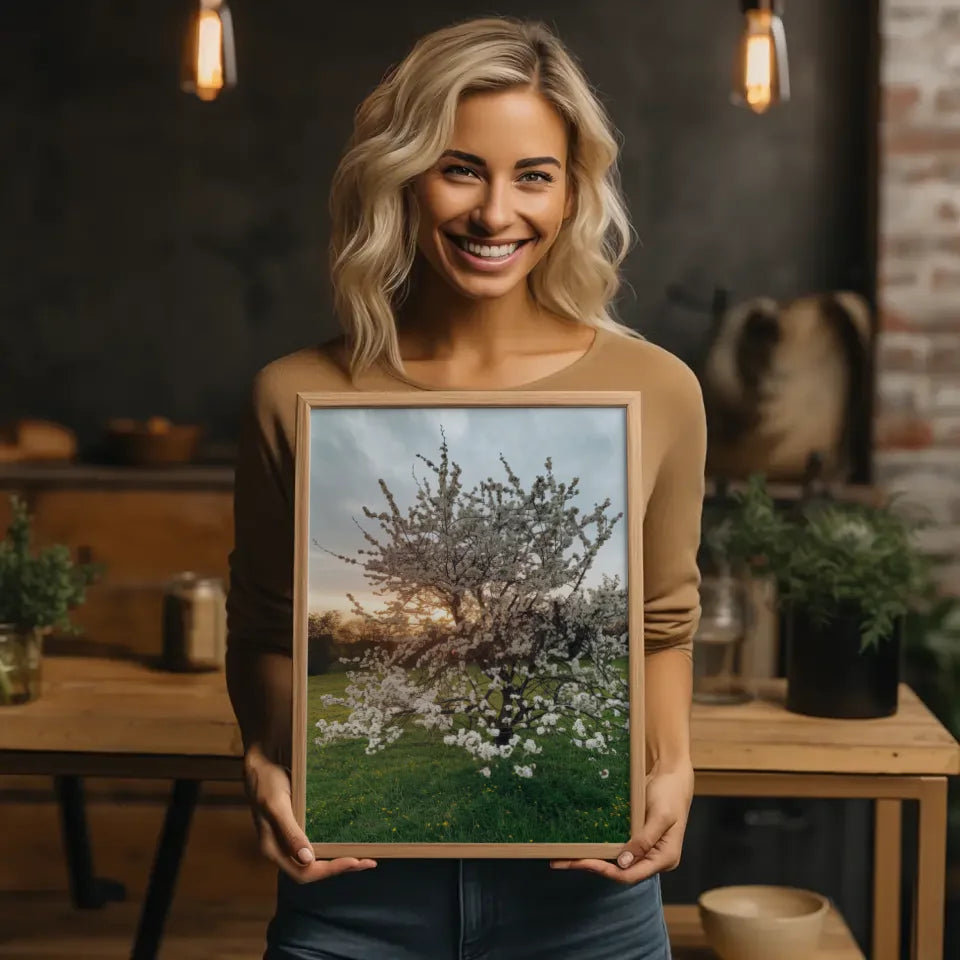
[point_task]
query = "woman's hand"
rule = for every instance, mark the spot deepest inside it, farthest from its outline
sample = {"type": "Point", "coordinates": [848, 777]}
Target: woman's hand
{"type": "Point", "coordinates": [281, 839]}
{"type": "Point", "coordinates": [657, 847]}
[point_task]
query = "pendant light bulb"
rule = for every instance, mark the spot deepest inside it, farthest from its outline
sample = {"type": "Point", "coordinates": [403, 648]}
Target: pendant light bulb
{"type": "Point", "coordinates": [761, 77]}
{"type": "Point", "coordinates": [210, 65]}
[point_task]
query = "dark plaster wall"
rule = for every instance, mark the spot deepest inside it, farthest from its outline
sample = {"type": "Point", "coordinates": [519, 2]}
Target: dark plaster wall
{"type": "Point", "coordinates": [155, 250]}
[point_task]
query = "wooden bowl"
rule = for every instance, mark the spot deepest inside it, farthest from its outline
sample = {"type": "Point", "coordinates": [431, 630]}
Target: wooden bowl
{"type": "Point", "coordinates": [757, 922]}
{"type": "Point", "coordinates": [153, 442]}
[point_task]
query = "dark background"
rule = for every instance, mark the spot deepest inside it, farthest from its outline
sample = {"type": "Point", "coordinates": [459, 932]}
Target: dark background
{"type": "Point", "coordinates": [156, 250]}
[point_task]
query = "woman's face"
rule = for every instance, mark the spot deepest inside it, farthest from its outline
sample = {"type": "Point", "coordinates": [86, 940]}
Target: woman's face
{"type": "Point", "coordinates": [493, 204]}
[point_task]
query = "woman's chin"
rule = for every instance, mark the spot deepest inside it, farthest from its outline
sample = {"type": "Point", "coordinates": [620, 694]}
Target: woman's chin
{"type": "Point", "coordinates": [477, 285]}
{"type": "Point", "coordinates": [483, 288]}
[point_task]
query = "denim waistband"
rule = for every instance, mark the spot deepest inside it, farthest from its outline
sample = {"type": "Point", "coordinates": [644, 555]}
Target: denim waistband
{"type": "Point", "coordinates": [467, 910]}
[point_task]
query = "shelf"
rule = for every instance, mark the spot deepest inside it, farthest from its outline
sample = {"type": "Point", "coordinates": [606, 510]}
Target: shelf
{"type": "Point", "coordinates": [102, 477]}
{"type": "Point", "coordinates": [782, 490]}
{"type": "Point", "coordinates": [688, 942]}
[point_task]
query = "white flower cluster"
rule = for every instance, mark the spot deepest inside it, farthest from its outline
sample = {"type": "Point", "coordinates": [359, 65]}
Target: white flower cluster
{"type": "Point", "coordinates": [493, 639]}
{"type": "Point", "coordinates": [473, 742]}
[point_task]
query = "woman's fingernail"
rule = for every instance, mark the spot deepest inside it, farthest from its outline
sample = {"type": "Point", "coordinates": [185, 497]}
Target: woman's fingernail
{"type": "Point", "coordinates": [305, 855]}
{"type": "Point", "coordinates": [625, 858]}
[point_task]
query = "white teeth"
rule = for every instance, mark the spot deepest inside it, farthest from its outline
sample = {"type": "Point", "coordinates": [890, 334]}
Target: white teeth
{"type": "Point", "coordinates": [483, 250]}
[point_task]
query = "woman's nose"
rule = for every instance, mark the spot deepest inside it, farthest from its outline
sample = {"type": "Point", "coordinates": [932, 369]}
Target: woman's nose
{"type": "Point", "coordinates": [494, 214]}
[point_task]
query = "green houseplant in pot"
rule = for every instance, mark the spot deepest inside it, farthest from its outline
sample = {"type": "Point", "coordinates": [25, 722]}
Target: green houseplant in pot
{"type": "Point", "coordinates": [37, 592]}
{"type": "Point", "coordinates": [847, 574]}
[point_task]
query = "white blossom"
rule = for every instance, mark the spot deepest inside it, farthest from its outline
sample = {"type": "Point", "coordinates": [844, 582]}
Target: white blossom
{"type": "Point", "coordinates": [488, 635]}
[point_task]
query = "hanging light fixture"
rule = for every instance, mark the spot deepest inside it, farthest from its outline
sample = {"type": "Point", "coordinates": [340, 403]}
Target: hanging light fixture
{"type": "Point", "coordinates": [210, 62]}
{"type": "Point", "coordinates": [760, 76]}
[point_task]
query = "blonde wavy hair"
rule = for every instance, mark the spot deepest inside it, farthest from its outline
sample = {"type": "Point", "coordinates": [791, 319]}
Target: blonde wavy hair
{"type": "Point", "coordinates": [401, 129]}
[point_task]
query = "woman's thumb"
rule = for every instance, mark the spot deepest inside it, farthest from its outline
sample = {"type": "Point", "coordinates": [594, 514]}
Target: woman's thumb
{"type": "Point", "coordinates": [296, 842]}
{"type": "Point", "coordinates": [305, 854]}
{"type": "Point", "coordinates": [290, 837]}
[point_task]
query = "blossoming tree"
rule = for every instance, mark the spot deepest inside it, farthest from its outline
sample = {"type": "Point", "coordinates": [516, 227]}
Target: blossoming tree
{"type": "Point", "coordinates": [495, 641]}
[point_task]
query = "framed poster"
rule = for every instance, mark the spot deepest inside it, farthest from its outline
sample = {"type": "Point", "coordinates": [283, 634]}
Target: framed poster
{"type": "Point", "coordinates": [468, 624]}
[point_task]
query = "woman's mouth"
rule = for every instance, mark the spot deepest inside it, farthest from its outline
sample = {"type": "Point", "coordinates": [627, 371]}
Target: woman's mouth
{"type": "Point", "coordinates": [486, 256]}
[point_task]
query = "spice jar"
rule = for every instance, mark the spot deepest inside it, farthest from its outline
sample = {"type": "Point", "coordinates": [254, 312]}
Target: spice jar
{"type": "Point", "coordinates": [194, 623]}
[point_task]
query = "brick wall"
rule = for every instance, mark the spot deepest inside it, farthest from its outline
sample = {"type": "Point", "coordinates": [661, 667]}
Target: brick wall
{"type": "Point", "coordinates": [917, 427]}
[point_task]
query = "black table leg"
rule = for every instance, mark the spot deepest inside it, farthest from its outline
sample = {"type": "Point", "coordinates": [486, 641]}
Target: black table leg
{"type": "Point", "coordinates": [87, 891]}
{"type": "Point", "coordinates": [166, 864]}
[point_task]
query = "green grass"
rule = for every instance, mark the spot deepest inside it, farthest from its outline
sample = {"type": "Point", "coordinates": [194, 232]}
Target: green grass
{"type": "Point", "coordinates": [419, 791]}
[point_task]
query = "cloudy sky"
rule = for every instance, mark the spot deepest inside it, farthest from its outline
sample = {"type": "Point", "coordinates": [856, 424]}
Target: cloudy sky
{"type": "Point", "coordinates": [352, 448]}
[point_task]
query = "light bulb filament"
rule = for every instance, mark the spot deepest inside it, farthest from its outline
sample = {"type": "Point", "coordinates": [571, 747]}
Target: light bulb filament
{"type": "Point", "coordinates": [761, 74]}
{"type": "Point", "coordinates": [209, 55]}
{"type": "Point", "coordinates": [209, 65]}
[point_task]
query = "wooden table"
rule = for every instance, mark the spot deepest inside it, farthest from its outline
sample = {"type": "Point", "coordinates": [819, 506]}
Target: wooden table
{"type": "Point", "coordinates": [687, 941]}
{"type": "Point", "coordinates": [759, 749]}
{"type": "Point", "coordinates": [119, 718]}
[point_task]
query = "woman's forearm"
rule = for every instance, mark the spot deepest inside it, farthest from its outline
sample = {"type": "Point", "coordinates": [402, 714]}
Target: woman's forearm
{"type": "Point", "coordinates": [668, 694]}
{"type": "Point", "coordinates": [260, 684]}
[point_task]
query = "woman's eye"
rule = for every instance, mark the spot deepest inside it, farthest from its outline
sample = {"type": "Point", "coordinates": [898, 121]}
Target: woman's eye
{"type": "Point", "coordinates": [539, 176]}
{"type": "Point", "coordinates": [456, 168]}
{"type": "Point", "coordinates": [542, 175]}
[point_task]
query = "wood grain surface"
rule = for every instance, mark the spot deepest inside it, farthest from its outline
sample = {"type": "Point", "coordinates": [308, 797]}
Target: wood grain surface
{"type": "Point", "coordinates": [46, 927]}
{"type": "Point", "coordinates": [121, 706]}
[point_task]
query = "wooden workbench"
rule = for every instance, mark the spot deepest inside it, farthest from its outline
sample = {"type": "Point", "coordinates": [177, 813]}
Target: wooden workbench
{"type": "Point", "coordinates": [99, 717]}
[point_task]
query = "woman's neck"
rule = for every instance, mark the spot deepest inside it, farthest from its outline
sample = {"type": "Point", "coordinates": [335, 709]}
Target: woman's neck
{"type": "Point", "coordinates": [437, 324]}
{"type": "Point", "coordinates": [453, 342]}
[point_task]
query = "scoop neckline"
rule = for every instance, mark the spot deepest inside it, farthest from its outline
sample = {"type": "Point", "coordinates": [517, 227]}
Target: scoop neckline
{"type": "Point", "coordinates": [584, 357]}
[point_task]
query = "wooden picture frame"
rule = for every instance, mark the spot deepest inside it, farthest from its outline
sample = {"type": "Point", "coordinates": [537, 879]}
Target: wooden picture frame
{"type": "Point", "coordinates": [426, 722]}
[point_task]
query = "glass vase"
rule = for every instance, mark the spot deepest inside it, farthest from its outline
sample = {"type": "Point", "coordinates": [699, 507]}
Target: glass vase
{"type": "Point", "coordinates": [718, 645]}
{"type": "Point", "coordinates": [20, 664]}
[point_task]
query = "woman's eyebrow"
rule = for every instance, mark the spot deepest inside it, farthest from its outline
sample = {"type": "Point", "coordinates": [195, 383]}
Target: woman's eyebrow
{"type": "Point", "coordinates": [519, 165]}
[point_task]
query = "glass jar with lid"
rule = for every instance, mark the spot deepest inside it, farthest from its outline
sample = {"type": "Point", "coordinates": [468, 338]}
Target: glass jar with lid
{"type": "Point", "coordinates": [20, 664]}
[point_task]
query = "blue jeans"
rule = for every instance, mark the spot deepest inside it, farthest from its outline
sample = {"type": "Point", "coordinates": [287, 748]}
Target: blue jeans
{"type": "Point", "coordinates": [467, 910]}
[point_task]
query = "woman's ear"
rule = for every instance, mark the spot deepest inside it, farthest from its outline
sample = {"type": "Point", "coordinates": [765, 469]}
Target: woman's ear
{"type": "Point", "coordinates": [570, 201]}
{"type": "Point", "coordinates": [411, 209]}
{"type": "Point", "coordinates": [409, 192]}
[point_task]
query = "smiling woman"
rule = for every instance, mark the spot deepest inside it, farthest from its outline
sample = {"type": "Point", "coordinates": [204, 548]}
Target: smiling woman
{"type": "Point", "coordinates": [477, 233]}
{"type": "Point", "coordinates": [487, 217]}
{"type": "Point", "coordinates": [495, 165]}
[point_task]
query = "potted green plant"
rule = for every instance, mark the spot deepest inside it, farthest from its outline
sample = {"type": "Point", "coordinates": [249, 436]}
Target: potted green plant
{"type": "Point", "coordinates": [847, 574]}
{"type": "Point", "coordinates": [37, 592]}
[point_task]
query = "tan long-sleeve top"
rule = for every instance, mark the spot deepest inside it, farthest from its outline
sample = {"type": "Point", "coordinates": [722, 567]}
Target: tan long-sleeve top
{"type": "Point", "coordinates": [673, 450]}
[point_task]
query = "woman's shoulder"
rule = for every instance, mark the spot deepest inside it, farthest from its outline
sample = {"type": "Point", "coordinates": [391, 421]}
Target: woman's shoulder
{"type": "Point", "coordinates": [636, 363]}
{"type": "Point", "coordinates": [317, 367]}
